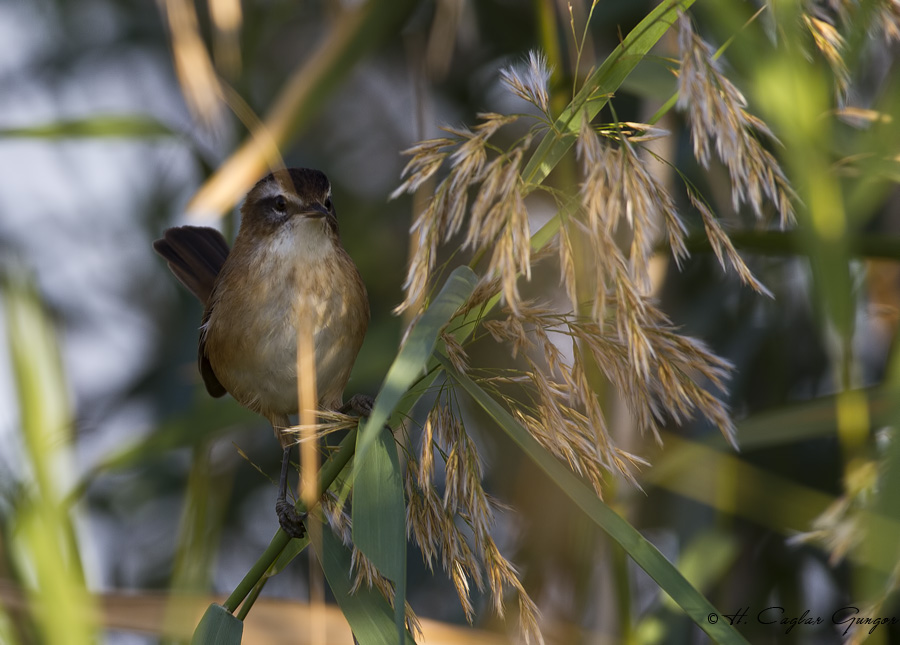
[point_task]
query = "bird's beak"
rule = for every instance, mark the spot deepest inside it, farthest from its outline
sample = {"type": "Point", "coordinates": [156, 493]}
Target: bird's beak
{"type": "Point", "coordinates": [316, 210]}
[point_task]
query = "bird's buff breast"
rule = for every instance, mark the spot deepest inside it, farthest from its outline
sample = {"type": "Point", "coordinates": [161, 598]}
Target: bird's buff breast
{"type": "Point", "coordinates": [251, 335]}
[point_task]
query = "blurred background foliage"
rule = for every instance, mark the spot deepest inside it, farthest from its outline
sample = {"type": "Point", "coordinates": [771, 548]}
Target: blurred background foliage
{"type": "Point", "coordinates": [120, 475]}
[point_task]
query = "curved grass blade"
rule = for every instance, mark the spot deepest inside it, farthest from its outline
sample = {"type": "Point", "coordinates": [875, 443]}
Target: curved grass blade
{"type": "Point", "coordinates": [379, 518]}
{"type": "Point", "coordinates": [379, 512]}
{"type": "Point", "coordinates": [647, 556]}
{"type": "Point", "coordinates": [414, 356]}
{"type": "Point", "coordinates": [369, 614]}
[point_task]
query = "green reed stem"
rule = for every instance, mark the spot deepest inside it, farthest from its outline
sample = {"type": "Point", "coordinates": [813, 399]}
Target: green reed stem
{"type": "Point", "coordinates": [327, 474]}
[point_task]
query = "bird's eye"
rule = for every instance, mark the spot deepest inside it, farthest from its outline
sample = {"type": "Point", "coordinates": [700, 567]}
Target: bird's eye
{"type": "Point", "coordinates": [280, 204]}
{"type": "Point", "coordinates": [327, 203]}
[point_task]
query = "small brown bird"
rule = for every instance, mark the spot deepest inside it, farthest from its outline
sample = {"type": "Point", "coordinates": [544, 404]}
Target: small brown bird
{"type": "Point", "coordinates": [287, 266]}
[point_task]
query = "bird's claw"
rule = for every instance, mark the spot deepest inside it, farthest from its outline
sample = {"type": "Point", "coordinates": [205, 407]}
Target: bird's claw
{"type": "Point", "coordinates": [290, 520]}
{"type": "Point", "coordinates": [360, 404]}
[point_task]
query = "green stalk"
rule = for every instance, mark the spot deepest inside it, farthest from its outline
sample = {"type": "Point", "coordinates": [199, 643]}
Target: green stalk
{"type": "Point", "coordinates": [251, 598]}
{"type": "Point", "coordinates": [327, 474]}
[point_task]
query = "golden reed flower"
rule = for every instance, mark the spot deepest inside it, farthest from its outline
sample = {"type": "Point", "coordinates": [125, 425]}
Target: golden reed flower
{"type": "Point", "coordinates": [618, 214]}
{"type": "Point", "coordinates": [716, 112]}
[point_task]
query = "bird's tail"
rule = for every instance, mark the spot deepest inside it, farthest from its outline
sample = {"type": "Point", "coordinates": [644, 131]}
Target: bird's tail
{"type": "Point", "coordinates": [195, 255]}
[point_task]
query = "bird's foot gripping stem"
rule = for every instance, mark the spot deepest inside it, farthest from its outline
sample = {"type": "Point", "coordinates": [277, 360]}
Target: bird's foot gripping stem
{"type": "Point", "coordinates": [360, 404]}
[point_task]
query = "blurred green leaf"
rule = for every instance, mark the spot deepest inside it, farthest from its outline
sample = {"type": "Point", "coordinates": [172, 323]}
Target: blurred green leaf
{"type": "Point", "coordinates": [7, 631]}
{"type": "Point", "coordinates": [44, 543]}
{"type": "Point", "coordinates": [734, 487]}
{"type": "Point", "coordinates": [787, 243]}
{"type": "Point", "coordinates": [880, 532]}
{"type": "Point", "coordinates": [125, 126]}
{"type": "Point", "coordinates": [204, 420]}
{"type": "Point", "coordinates": [797, 93]}
{"type": "Point", "coordinates": [804, 420]}
{"type": "Point", "coordinates": [205, 505]}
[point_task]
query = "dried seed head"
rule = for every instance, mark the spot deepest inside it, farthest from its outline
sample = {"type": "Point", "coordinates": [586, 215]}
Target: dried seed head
{"type": "Point", "coordinates": [887, 20]}
{"type": "Point", "coordinates": [432, 519]}
{"type": "Point", "coordinates": [427, 158]}
{"type": "Point", "coordinates": [612, 226]}
{"type": "Point", "coordinates": [617, 188]}
{"type": "Point", "coordinates": [715, 109]}
{"type": "Point", "coordinates": [723, 247]}
{"type": "Point", "coordinates": [530, 81]}
{"type": "Point", "coordinates": [830, 44]}
{"type": "Point", "coordinates": [328, 421]}
{"type": "Point", "coordinates": [498, 220]}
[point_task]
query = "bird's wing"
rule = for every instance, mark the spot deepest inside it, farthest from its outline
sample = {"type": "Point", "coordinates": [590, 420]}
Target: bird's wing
{"type": "Point", "coordinates": [195, 255]}
{"type": "Point", "coordinates": [213, 386]}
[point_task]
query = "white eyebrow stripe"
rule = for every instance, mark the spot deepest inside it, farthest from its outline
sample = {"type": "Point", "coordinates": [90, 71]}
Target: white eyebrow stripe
{"type": "Point", "coordinates": [273, 189]}
{"type": "Point", "coordinates": [270, 189]}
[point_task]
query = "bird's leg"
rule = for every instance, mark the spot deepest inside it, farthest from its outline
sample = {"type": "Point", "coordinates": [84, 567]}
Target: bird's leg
{"type": "Point", "coordinates": [290, 520]}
